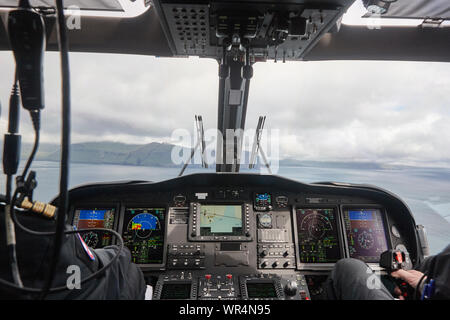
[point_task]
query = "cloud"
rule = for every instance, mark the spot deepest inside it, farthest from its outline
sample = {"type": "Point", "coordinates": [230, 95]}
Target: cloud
{"type": "Point", "coordinates": [336, 110]}
{"type": "Point", "coordinates": [377, 111]}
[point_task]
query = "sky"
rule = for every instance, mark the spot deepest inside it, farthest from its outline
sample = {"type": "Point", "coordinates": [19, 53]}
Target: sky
{"type": "Point", "coordinates": [391, 112]}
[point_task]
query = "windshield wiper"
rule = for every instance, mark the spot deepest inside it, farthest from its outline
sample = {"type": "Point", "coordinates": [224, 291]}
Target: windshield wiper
{"type": "Point", "coordinates": [200, 143]}
{"type": "Point", "coordinates": [257, 146]}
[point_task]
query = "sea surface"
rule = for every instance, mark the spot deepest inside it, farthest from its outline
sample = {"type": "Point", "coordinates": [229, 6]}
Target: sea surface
{"type": "Point", "coordinates": [425, 190]}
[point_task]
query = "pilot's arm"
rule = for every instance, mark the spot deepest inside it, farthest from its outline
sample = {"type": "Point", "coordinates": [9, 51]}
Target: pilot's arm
{"type": "Point", "coordinates": [122, 280]}
{"type": "Point", "coordinates": [432, 279]}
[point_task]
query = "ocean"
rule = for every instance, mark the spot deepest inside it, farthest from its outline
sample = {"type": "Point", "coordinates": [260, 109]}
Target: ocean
{"type": "Point", "coordinates": [425, 190]}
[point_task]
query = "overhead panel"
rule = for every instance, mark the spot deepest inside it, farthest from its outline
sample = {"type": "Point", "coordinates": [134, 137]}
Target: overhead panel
{"type": "Point", "coordinates": [278, 30]}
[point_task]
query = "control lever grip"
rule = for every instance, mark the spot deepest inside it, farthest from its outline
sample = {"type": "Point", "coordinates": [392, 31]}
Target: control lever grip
{"type": "Point", "coordinates": [393, 260]}
{"type": "Point", "coordinates": [405, 288]}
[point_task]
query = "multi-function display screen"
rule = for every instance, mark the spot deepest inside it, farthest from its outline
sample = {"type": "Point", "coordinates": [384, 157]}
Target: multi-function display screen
{"type": "Point", "coordinates": [143, 233]}
{"type": "Point", "coordinates": [317, 233]}
{"type": "Point", "coordinates": [261, 290]}
{"type": "Point", "coordinates": [365, 233]}
{"type": "Point", "coordinates": [221, 220]}
{"type": "Point", "coordinates": [95, 218]}
{"type": "Point", "coordinates": [176, 291]}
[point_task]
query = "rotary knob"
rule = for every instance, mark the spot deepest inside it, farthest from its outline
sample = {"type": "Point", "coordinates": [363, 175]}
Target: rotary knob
{"type": "Point", "coordinates": [291, 288]}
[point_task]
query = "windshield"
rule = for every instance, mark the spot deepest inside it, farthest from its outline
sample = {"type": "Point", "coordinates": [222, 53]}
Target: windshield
{"type": "Point", "coordinates": [380, 123]}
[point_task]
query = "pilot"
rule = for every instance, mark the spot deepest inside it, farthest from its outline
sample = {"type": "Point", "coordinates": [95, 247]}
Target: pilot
{"type": "Point", "coordinates": [352, 279]}
{"type": "Point", "coordinates": [123, 280]}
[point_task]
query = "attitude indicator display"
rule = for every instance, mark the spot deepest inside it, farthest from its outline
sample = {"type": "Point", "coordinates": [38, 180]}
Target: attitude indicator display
{"type": "Point", "coordinates": [365, 233]}
{"type": "Point", "coordinates": [143, 233]}
{"type": "Point", "coordinates": [263, 202]}
{"type": "Point", "coordinates": [88, 218]}
{"type": "Point", "coordinates": [317, 233]}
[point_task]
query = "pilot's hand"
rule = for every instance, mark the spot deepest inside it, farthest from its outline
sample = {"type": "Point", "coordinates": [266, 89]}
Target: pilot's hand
{"type": "Point", "coordinates": [412, 277]}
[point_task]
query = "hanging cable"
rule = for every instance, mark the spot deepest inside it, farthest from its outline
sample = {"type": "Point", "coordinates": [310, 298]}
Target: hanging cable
{"type": "Point", "coordinates": [65, 145]}
{"type": "Point", "coordinates": [11, 158]}
{"type": "Point", "coordinates": [35, 118]}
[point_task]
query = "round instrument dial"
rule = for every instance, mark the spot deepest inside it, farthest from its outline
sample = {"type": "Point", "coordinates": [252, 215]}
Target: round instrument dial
{"type": "Point", "coordinates": [91, 239]}
{"type": "Point", "coordinates": [366, 240]}
{"type": "Point", "coordinates": [316, 225]}
{"type": "Point", "coordinates": [143, 224]}
{"type": "Point", "coordinates": [265, 220]}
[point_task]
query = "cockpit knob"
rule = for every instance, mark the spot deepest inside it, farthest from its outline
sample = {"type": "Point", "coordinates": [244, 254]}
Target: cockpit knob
{"type": "Point", "coordinates": [291, 288]}
{"type": "Point", "coordinates": [275, 264]}
{"type": "Point", "coordinates": [264, 253]}
{"type": "Point", "coordinates": [208, 280]}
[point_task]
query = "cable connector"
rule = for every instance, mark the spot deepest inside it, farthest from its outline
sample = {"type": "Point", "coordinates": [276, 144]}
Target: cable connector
{"type": "Point", "coordinates": [45, 209]}
{"type": "Point", "coordinates": [36, 119]}
{"type": "Point", "coordinates": [25, 187]}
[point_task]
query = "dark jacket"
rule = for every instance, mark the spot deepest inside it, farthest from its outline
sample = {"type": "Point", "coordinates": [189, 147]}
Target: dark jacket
{"type": "Point", "coordinates": [438, 268]}
{"type": "Point", "coordinates": [123, 280]}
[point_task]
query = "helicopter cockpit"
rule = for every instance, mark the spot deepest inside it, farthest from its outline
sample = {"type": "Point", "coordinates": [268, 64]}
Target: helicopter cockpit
{"type": "Point", "coordinates": [231, 235]}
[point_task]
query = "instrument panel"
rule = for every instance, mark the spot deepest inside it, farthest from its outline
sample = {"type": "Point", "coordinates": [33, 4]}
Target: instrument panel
{"type": "Point", "coordinates": [240, 236]}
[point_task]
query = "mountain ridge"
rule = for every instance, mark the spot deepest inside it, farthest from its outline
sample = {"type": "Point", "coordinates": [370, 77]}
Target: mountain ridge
{"type": "Point", "coordinates": [158, 154]}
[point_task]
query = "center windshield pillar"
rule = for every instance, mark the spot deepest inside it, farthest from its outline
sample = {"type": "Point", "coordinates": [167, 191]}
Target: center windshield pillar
{"type": "Point", "coordinates": [235, 72]}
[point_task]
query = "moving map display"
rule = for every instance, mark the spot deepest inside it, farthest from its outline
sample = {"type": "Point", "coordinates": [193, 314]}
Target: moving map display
{"type": "Point", "coordinates": [143, 233]}
{"type": "Point", "coordinates": [95, 218]}
{"type": "Point", "coordinates": [365, 234]}
{"type": "Point", "coordinates": [317, 233]}
{"type": "Point", "coordinates": [221, 220]}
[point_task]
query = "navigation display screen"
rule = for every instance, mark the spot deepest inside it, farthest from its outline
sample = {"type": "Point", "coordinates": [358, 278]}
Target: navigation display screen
{"type": "Point", "coordinates": [174, 291]}
{"type": "Point", "coordinates": [317, 233]}
{"type": "Point", "coordinates": [95, 218]}
{"type": "Point", "coordinates": [221, 220]}
{"type": "Point", "coordinates": [143, 233]}
{"type": "Point", "coordinates": [365, 233]}
{"type": "Point", "coordinates": [261, 290]}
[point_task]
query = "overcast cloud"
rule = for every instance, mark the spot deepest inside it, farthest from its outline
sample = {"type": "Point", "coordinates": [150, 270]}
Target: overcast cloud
{"type": "Point", "coordinates": [397, 112]}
